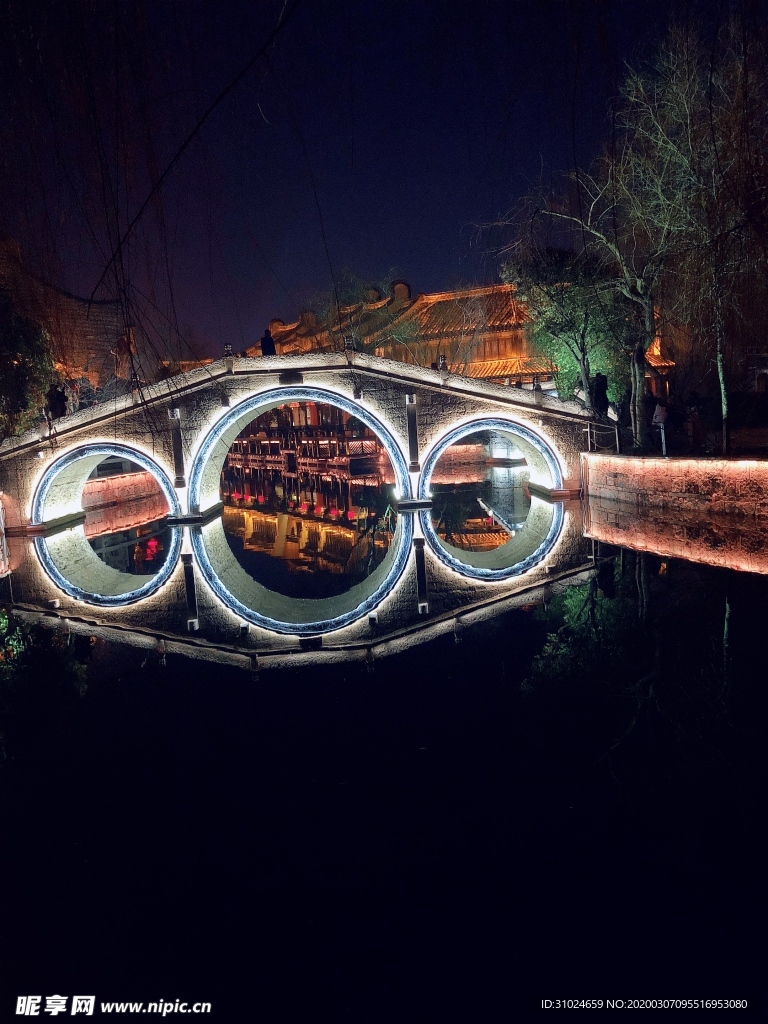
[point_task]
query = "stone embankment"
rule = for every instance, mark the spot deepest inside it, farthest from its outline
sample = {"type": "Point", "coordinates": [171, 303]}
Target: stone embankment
{"type": "Point", "coordinates": [702, 510]}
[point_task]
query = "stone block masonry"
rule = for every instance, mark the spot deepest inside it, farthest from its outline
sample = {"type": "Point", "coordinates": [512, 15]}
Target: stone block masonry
{"type": "Point", "coordinates": [690, 486]}
{"type": "Point", "coordinates": [707, 510]}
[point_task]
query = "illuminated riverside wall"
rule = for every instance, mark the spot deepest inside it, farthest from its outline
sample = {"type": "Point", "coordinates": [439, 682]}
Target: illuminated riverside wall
{"type": "Point", "coordinates": [720, 486]}
{"type": "Point", "coordinates": [713, 511]}
{"type": "Point", "coordinates": [171, 432]}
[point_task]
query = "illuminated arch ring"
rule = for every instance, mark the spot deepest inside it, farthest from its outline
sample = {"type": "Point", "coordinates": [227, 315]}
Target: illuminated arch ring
{"type": "Point", "coordinates": [204, 492]}
{"type": "Point", "coordinates": [547, 460]}
{"type": "Point", "coordinates": [74, 468]}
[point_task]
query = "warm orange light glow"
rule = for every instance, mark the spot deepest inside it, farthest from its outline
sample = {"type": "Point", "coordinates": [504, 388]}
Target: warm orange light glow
{"type": "Point", "coordinates": [705, 510]}
{"type": "Point", "coordinates": [726, 541]}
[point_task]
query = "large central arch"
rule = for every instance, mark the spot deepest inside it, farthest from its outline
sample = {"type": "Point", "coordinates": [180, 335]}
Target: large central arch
{"type": "Point", "coordinates": [224, 574]}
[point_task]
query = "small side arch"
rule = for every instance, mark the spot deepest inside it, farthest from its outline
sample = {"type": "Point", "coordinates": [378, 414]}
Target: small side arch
{"type": "Point", "coordinates": [528, 546]}
{"type": "Point", "coordinates": [67, 557]}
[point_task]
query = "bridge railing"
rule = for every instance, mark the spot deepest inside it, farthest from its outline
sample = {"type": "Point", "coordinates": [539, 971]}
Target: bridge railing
{"type": "Point", "coordinates": [603, 437]}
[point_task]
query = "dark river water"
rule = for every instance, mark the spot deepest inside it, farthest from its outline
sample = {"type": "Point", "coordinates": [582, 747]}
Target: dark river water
{"type": "Point", "coordinates": [569, 803]}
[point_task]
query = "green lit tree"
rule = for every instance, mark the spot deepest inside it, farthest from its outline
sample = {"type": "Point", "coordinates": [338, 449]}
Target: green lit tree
{"type": "Point", "coordinates": [697, 122]}
{"type": "Point", "coordinates": [577, 319]}
{"type": "Point", "coordinates": [675, 210]}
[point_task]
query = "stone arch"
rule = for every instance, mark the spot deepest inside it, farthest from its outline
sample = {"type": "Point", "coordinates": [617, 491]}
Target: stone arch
{"type": "Point", "coordinates": [67, 557]}
{"type": "Point", "coordinates": [224, 574]}
{"type": "Point", "coordinates": [529, 545]}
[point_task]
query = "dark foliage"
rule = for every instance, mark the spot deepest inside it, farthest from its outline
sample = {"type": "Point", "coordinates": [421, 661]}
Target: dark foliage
{"type": "Point", "coordinates": [26, 370]}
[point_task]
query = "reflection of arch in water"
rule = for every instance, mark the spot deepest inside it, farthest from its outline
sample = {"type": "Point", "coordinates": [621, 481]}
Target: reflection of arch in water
{"type": "Point", "coordinates": [544, 521]}
{"type": "Point", "coordinates": [224, 574]}
{"type": "Point", "coordinates": [67, 557]}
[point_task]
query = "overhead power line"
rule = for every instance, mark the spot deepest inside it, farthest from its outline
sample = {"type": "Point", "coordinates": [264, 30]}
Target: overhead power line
{"type": "Point", "coordinates": [282, 22]}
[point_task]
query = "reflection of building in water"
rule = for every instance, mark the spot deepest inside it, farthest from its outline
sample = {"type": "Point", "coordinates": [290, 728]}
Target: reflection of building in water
{"type": "Point", "coordinates": [479, 493]}
{"type": "Point", "coordinates": [507, 494]}
{"type": "Point", "coordinates": [311, 433]}
{"type": "Point", "coordinates": [305, 453]}
{"type": "Point", "coordinates": [335, 495]}
{"type": "Point", "coordinates": [140, 550]}
{"type": "Point", "coordinates": [468, 460]}
{"type": "Point", "coordinates": [316, 544]}
{"type": "Point", "coordinates": [310, 485]}
{"type": "Point", "coordinates": [462, 518]}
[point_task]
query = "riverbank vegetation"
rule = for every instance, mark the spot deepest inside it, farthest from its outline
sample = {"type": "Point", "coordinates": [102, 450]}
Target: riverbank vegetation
{"type": "Point", "coordinates": [672, 219]}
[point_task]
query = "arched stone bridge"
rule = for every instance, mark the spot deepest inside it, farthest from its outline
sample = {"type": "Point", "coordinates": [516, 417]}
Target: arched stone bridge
{"type": "Point", "coordinates": [180, 431]}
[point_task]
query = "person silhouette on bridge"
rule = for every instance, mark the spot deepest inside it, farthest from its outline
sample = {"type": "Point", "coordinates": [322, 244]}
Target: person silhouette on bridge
{"type": "Point", "coordinates": [599, 389]}
{"type": "Point", "coordinates": [268, 344]}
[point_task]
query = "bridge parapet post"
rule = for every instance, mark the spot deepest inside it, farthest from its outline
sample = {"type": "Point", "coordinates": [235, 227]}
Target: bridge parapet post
{"type": "Point", "coordinates": [411, 408]}
{"type": "Point", "coordinates": [174, 415]}
{"type": "Point", "coordinates": [193, 623]}
{"type": "Point", "coordinates": [421, 576]}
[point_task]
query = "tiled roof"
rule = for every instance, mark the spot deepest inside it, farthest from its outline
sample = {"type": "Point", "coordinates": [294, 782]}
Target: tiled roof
{"type": "Point", "coordinates": [495, 308]}
{"type": "Point", "coordinates": [493, 368]}
{"type": "Point", "coordinates": [450, 322]}
{"type": "Point", "coordinates": [658, 362]}
{"type": "Point", "coordinates": [454, 314]}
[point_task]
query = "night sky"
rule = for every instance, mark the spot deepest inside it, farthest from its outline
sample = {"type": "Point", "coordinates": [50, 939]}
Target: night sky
{"type": "Point", "coordinates": [376, 137]}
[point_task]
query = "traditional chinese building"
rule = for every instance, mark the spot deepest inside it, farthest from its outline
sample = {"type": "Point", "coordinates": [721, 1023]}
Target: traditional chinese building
{"type": "Point", "coordinates": [480, 332]}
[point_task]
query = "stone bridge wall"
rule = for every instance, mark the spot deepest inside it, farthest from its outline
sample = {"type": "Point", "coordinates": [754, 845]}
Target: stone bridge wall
{"type": "Point", "coordinates": [202, 397]}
